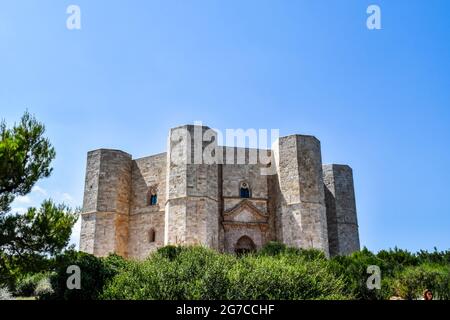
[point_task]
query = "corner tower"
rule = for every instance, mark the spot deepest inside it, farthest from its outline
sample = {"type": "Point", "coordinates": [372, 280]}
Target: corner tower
{"type": "Point", "coordinates": [300, 213]}
{"type": "Point", "coordinates": [341, 209]}
{"type": "Point", "coordinates": [192, 207]}
{"type": "Point", "coordinates": [104, 221]}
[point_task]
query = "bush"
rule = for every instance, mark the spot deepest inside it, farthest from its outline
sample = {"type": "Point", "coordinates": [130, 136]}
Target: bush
{"type": "Point", "coordinates": [272, 248]}
{"type": "Point", "coordinates": [44, 288]}
{"type": "Point", "coordinates": [173, 273]}
{"type": "Point", "coordinates": [5, 294]}
{"type": "Point", "coordinates": [285, 276]}
{"type": "Point", "coordinates": [307, 254]}
{"type": "Point", "coordinates": [412, 281]}
{"type": "Point", "coordinates": [169, 252]}
{"type": "Point", "coordinates": [436, 257]}
{"type": "Point", "coordinates": [95, 272]}
{"type": "Point", "coordinates": [197, 273]}
{"type": "Point", "coordinates": [397, 259]}
{"type": "Point", "coordinates": [353, 269]}
{"type": "Point", "coordinates": [26, 286]}
{"type": "Point", "coordinates": [402, 273]}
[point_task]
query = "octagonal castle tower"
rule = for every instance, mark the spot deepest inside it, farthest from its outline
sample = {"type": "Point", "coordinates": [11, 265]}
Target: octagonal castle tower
{"type": "Point", "coordinates": [200, 193]}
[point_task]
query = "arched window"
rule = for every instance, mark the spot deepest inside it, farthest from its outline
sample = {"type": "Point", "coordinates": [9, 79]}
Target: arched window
{"type": "Point", "coordinates": [151, 235]}
{"type": "Point", "coordinates": [152, 197]}
{"type": "Point", "coordinates": [244, 190]}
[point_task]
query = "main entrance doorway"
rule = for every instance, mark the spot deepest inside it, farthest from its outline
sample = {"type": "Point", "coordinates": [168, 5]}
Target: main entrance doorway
{"type": "Point", "coordinates": [244, 245]}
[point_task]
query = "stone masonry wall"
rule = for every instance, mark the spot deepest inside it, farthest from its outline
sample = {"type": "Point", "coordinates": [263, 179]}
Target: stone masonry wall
{"type": "Point", "coordinates": [147, 173]}
{"type": "Point", "coordinates": [234, 173]}
{"type": "Point", "coordinates": [341, 209]}
{"type": "Point", "coordinates": [88, 220]}
{"type": "Point", "coordinates": [301, 213]}
{"type": "Point", "coordinates": [192, 209]}
{"type": "Point", "coordinates": [104, 227]}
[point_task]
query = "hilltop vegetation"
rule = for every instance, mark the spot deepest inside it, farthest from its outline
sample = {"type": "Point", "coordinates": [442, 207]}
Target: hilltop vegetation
{"type": "Point", "coordinates": [275, 272]}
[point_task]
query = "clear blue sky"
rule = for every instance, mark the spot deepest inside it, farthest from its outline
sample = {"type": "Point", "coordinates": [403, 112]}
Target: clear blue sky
{"type": "Point", "coordinates": [378, 100]}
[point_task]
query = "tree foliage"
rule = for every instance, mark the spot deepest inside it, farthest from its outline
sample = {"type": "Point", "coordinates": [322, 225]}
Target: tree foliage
{"type": "Point", "coordinates": [95, 273]}
{"type": "Point", "coordinates": [32, 237]}
{"type": "Point", "coordinates": [28, 241]}
{"type": "Point", "coordinates": [25, 157]}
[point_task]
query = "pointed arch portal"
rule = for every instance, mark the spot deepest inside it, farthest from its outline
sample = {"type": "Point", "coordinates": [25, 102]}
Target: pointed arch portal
{"type": "Point", "coordinates": [244, 245]}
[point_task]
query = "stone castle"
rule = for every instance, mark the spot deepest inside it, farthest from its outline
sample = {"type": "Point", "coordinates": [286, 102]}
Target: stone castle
{"type": "Point", "coordinates": [234, 204]}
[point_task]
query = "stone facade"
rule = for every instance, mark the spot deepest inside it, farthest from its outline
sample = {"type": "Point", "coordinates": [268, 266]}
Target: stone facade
{"type": "Point", "coordinates": [134, 206]}
{"type": "Point", "coordinates": [342, 222]}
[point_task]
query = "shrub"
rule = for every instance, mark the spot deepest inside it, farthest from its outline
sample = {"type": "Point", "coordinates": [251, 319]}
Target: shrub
{"type": "Point", "coordinates": [26, 286]}
{"type": "Point", "coordinates": [44, 288]}
{"type": "Point", "coordinates": [172, 274]}
{"type": "Point", "coordinates": [272, 248]}
{"type": "Point", "coordinates": [397, 259]}
{"type": "Point", "coordinates": [436, 257]}
{"type": "Point", "coordinates": [5, 294]}
{"type": "Point", "coordinates": [412, 281]}
{"type": "Point", "coordinates": [169, 252]}
{"type": "Point", "coordinates": [402, 273]}
{"type": "Point", "coordinates": [283, 277]}
{"type": "Point", "coordinates": [353, 269]}
{"type": "Point", "coordinates": [95, 272]}
{"type": "Point", "coordinates": [307, 254]}
{"type": "Point", "coordinates": [198, 273]}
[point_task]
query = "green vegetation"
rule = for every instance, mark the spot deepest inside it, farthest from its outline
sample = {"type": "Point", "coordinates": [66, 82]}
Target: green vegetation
{"type": "Point", "coordinates": [199, 273]}
{"type": "Point", "coordinates": [95, 272]}
{"type": "Point", "coordinates": [275, 272]}
{"type": "Point", "coordinates": [30, 241]}
{"type": "Point", "coordinates": [25, 157]}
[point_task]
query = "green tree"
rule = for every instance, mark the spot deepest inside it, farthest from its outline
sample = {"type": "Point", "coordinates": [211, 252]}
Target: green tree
{"type": "Point", "coordinates": [25, 157]}
{"type": "Point", "coordinates": [28, 241]}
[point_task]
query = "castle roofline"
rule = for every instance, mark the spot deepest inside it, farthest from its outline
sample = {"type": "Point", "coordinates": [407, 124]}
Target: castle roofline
{"type": "Point", "coordinates": [336, 165]}
{"type": "Point", "coordinates": [151, 156]}
{"type": "Point", "coordinates": [109, 150]}
{"type": "Point", "coordinates": [300, 135]}
{"type": "Point", "coordinates": [190, 126]}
